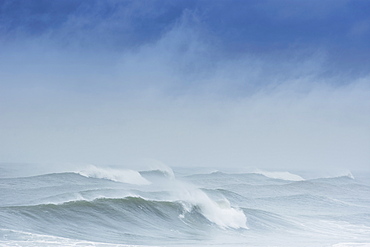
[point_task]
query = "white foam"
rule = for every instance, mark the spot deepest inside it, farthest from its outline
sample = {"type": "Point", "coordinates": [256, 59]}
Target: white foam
{"type": "Point", "coordinates": [281, 175]}
{"type": "Point", "coordinates": [350, 175]}
{"type": "Point", "coordinates": [117, 175]}
{"type": "Point", "coordinates": [220, 213]}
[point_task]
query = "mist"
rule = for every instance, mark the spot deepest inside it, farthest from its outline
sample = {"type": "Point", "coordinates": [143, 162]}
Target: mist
{"type": "Point", "coordinates": [111, 83]}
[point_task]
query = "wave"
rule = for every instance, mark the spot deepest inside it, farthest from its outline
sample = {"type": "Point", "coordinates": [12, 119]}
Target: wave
{"type": "Point", "coordinates": [341, 178]}
{"type": "Point", "coordinates": [121, 218]}
{"type": "Point", "coordinates": [221, 179]}
{"type": "Point", "coordinates": [158, 208]}
{"type": "Point", "coordinates": [117, 175]}
{"type": "Point", "coordinates": [220, 212]}
{"type": "Point", "coordinates": [256, 176]}
{"type": "Point", "coordinates": [281, 175]}
{"type": "Point", "coordinates": [101, 184]}
{"type": "Point", "coordinates": [156, 174]}
{"type": "Point", "coordinates": [266, 221]}
{"type": "Point", "coordinates": [124, 218]}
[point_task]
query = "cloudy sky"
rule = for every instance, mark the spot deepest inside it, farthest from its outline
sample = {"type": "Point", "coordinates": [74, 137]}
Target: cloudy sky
{"type": "Point", "coordinates": [254, 83]}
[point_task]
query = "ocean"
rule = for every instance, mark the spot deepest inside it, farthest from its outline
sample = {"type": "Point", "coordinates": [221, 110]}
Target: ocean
{"type": "Point", "coordinates": [111, 206]}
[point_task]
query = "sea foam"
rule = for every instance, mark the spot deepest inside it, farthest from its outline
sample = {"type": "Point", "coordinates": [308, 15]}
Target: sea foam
{"type": "Point", "coordinates": [117, 175]}
{"type": "Point", "coordinates": [221, 213]}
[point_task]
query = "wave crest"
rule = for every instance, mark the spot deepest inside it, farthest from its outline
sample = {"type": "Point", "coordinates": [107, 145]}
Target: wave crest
{"type": "Point", "coordinates": [280, 175]}
{"type": "Point", "coordinates": [117, 175]}
{"type": "Point", "coordinates": [221, 213]}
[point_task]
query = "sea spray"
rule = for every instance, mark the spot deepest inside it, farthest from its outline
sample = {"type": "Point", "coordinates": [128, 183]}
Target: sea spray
{"type": "Point", "coordinates": [118, 175]}
{"type": "Point", "coordinates": [218, 209]}
{"type": "Point", "coordinates": [220, 213]}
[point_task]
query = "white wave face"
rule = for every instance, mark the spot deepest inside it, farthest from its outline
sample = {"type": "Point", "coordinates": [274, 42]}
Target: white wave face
{"type": "Point", "coordinates": [221, 213]}
{"type": "Point", "coordinates": [281, 175]}
{"type": "Point", "coordinates": [117, 175]}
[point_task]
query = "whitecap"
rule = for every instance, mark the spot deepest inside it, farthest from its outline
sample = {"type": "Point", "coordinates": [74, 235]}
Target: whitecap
{"type": "Point", "coordinates": [280, 175]}
{"type": "Point", "coordinates": [117, 175]}
{"type": "Point", "coordinates": [221, 213]}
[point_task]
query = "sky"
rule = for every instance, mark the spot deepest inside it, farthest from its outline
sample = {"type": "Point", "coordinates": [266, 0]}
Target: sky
{"type": "Point", "coordinates": [266, 84]}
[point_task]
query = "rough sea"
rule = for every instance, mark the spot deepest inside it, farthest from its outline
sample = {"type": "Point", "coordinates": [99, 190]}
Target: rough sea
{"type": "Point", "coordinates": [100, 206]}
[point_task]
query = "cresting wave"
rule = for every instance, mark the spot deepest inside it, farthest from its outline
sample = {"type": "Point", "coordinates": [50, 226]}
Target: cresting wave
{"type": "Point", "coordinates": [131, 215]}
{"type": "Point", "coordinates": [118, 175]}
{"type": "Point", "coordinates": [106, 205]}
{"type": "Point", "coordinates": [130, 186]}
{"type": "Point", "coordinates": [281, 175]}
{"type": "Point", "coordinates": [220, 213]}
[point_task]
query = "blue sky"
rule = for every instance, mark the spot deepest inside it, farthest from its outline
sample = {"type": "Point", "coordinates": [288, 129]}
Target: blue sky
{"type": "Point", "coordinates": [277, 84]}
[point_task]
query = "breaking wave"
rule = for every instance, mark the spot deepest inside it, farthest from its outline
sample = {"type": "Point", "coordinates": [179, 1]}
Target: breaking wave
{"type": "Point", "coordinates": [118, 175]}
{"type": "Point", "coordinates": [118, 206]}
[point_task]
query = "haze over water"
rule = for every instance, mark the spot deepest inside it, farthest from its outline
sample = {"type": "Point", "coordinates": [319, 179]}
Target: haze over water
{"type": "Point", "coordinates": [184, 123]}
